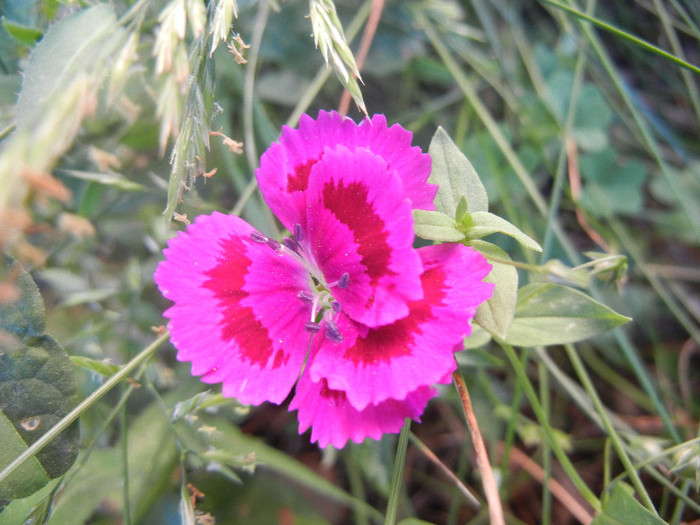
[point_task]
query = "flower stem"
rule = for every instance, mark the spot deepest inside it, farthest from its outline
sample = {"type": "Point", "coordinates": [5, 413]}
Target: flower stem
{"type": "Point", "coordinates": [83, 406]}
{"type": "Point", "coordinates": [482, 458]}
{"type": "Point", "coordinates": [397, 474]}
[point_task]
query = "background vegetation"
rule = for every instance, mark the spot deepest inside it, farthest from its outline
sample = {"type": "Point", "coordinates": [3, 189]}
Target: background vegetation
{"type": "Point", "coordinates": [585, 137]}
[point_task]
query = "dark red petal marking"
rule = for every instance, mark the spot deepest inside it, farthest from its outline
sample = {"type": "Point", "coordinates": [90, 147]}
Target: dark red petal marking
{"type": "Point", "coordinates": [395, 340]}
{"type": "Point", "coordinates": [299, 180]}
{"type": "Point", "coordinates": [351, 206]}
{"type": "Point", "coordinates": [226, 281]}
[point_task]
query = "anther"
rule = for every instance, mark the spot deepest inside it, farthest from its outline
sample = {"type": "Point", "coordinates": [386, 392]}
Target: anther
{"type": "Point", "coordinates": [332, 331]}
{"type": "Point", "coordinates": [336, 306]}
{"type": "Point", "coordinates": [298, 235]}
{"type": "Point", "coordinates": [344, 281]}
{"type": "Point", "coordinates": [290, 244]}
{"type": "Point", "coordinates": [306, 297]}
{"type": "Point", "coordinates": [258, 237]}
{"type": "Point", "coordinates": [312, 327]}
{"type": "Point", "coordinates": [274, 244]}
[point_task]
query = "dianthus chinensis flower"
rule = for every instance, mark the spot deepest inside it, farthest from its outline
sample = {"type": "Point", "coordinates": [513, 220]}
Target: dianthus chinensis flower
{"type": "Point", "coordinates": [345, 308]}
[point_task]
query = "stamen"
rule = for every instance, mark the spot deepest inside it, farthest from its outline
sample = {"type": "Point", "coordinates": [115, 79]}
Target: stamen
{"type": "Point", "coordinates": [306, 297]}
{"type": "Point", "coordinates": [332, 331]}
{"type": "Point", "coordinates": [290, 244]}
{"type": "Point", "coordinates": [336, 306]}
{"type": "Point", "coordinates": [274, 244]}
{"type": "Point", "coordinates": [312, 327]}
{"type": "Point", "coordinates": [344, 281]}
{"type": "Point", "coordinates": [298, 235]}
{"type": "Point", "coordinates": [258, 237]}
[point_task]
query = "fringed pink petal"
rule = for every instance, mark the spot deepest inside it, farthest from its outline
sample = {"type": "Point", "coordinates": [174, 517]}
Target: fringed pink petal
{"type": "Point", "coordinates": [236, 317]}
{"type": "Point", "coordinates": [391, 361]}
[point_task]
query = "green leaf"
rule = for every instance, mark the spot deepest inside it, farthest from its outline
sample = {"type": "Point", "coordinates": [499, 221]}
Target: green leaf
{"type": "Point", "coordinates": [37, 388]}
{"type": "Point", "coordinates": [622, 509]}
{"type": "Point", "coordinates": [22, 309]}
{"type": "Point", "coordinates": [115, 180]}
{"type": "Point", "coordinates": [24, 34]}
{"type": "Point", "coordinates": [73, 45]}
{"type": "Point", "coordinates": [485, 223]}
{"type": "Point", "coordinates": [436, 226]}
{"type": "Point", "coordinates": [101, 367]}
{"type": "Point", "coordinates": [455, 177]}
{"type": "Point", "coordinates": [496, 314]}
{"type": "Point", "coordinates": [27, 479]}
{"type": "Point", "coordinates": [551, 314]}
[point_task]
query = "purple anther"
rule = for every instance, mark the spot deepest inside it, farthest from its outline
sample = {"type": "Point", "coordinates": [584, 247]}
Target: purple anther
{"type": "Point", "coordinates": [297, 233]}
{"type": "Point", "coordinates": [344, 281]}
{"type": "Point", "coordinates": [336, 306]}
{"type": "Point", "coordinates": [306, 297]}
{"type": "Point", "coordinates": [290, 244]}
{"type": "Point", "coordinates": [332, 331]}
{"type": "Point", "coordinates": [312, 327]}
{"type": "Point", "coordinates": [258, 237]}
{"type": "Point", "coordinates": [274, 244]}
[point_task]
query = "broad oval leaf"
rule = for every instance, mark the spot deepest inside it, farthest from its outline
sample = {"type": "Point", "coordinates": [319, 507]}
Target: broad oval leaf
{"type": "Point", "coordinates": [37, 389]}
{"type": "Point", "coordinates": [496, 314]}
{"type": "Point", "coordinates": [552, 314]}
{"type": "Point", "coordinates": [455, 177]}
{"type": "Point", "coordinates": [436, 226]}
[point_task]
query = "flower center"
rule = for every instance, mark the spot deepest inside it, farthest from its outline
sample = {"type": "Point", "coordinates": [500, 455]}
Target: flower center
{"type": "Point", "coordinates": [324, 308]}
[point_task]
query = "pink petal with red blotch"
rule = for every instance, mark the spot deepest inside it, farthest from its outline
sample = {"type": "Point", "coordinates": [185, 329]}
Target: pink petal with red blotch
{"type": "Point", "coordinates": [334, 421]}
{"type": "Point", "coordinates": [390, 361]}
{"type": "Point", "coordinates": [236, 315]}
{"type": "Point", "coordinates": [358, 222]}
{"type": "Point", "coordinates": [285, 167]}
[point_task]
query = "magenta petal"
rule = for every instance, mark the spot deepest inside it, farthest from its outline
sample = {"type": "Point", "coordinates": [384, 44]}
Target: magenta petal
{"type": "Point", "coordinates": [236, 315]}
{"type": "Point", "coordinates": [334, 421]}
{"type": "Point", "coordinates": [358, 224]}
{"type": "Point", "coordinates": [390, 361]}
{"type": "Point", "coordinates": [285, 167]}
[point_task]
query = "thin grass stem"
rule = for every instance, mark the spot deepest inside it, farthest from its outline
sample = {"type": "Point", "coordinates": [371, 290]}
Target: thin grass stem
{"type": "Point", "coordinates": [625, 35]}
{"type": "Point", "coordinates": [396, 485]}
{"type": "Point", "coordinates": [609, 428]}
{"type": "Point", "coordinates": [461, 487]}
{"type": "Point", "coordinates": [74, 414]}
{"type": "Point", "coordinates": [558, 451]}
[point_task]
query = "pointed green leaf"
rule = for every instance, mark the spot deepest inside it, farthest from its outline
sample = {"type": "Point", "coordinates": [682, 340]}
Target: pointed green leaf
{"type": "Point", "coordinates": [485, 223]}
{"type": "Point", "coordinates": [37, 388]}
{"type": "Point", "coordinates": [25, 34]}
{"type": "Point", "coordinates": [551, 314]}
{"type": "Point", "coordinates": [496, 314]}
{"type": "Point", "coordinates": [436, 226]}
{"type": "Point", "coordinates": [101, 367]}
{"type": "Point", "coordinates": [116, 180]}
{"type": "Point", "coordinates": [22, 310]}
{"type": "Point", "coordinates": [622, 509]}
{"type": "Point", "coordinates": [455, 177]}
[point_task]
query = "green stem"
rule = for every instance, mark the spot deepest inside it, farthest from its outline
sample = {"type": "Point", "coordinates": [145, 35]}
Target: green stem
{"type": "Point", "coordinates": [619, 32]}
{"type": "Point", "coordinates": [125, 466]}
{"type": "Point", "coordinates": [83, 406]}
{"type": "Point", "coordinates": [608, 427]}
{"type": "Point", "coordinates": [556, 448]}
{"type": "Point", "coordinates": [397, 475]}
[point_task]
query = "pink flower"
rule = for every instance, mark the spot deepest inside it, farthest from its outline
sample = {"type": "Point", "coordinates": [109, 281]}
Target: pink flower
{"type": "Point", "coordinates": [345, 308]}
